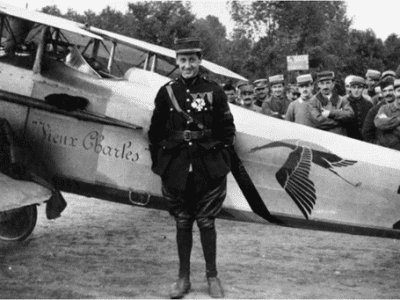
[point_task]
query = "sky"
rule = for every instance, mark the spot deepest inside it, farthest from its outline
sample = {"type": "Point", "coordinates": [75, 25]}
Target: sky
{"type": "Point", "coordinates": [380, 16]}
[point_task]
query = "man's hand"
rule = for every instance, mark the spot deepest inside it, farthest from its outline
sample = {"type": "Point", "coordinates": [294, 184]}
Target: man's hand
{"type": "Point", "coordinates": [325, 113]}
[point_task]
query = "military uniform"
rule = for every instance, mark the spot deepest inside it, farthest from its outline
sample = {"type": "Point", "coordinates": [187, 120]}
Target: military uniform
{"type": "Point", "coordinates": [190, 151]}
{"type": "Point", "coordinates": [205, 155]}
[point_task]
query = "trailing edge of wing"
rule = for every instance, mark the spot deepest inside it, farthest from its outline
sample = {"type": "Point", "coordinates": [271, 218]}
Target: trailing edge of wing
{"type": "Point", "coordinates": [148, 47]}
{"type": "Point", "coordinates": [46, 19]}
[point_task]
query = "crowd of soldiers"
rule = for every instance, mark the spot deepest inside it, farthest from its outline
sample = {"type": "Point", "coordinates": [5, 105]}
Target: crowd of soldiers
{"type": "Point", "coordinates": [369, 111]}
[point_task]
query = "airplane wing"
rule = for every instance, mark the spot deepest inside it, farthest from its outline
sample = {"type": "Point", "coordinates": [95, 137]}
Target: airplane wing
{"type": "Point", "coordinates": [148, 47]}
{"type": "Point", "coordinates": [45, 19]}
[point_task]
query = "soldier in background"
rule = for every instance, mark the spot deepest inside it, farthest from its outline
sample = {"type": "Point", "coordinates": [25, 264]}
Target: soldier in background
{"type": "Point", "coordinates": [360, 106]}
{"type": "Point", "coordinates": [247, 97]}
{"type": "Point", "coordinates": [261, 91]}
{"type": "Point", "coordinates": [277, 104]}
{"type": "Point", "coordinates": [230, 93]}
{"type": "Point", "coordinates": [329, 110]}
{"type": "Point", "coordinates": [292, 92]}
{"type": "Point", "coordinates": [298, 110]}
{"type": "Point", "coordinates": [372, 78]}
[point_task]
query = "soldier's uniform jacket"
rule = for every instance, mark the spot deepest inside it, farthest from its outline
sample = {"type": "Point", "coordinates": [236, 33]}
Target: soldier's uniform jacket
{"type": "Point", "coordinates": [276, 107]}
{"type": "Point", "coordinates": [354, 125]}
{"type": "Point", "coordinates": [173, 154]}
{"type": "Point", "coordinates": [340, 112]}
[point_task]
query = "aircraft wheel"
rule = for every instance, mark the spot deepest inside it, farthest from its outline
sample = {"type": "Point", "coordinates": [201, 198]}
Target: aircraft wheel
{"type": "Point", "coordinates": [17, 224]}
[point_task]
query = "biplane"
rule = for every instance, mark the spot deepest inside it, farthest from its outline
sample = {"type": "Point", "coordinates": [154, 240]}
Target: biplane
{"type": "Point", "coordinates": [82, 98]}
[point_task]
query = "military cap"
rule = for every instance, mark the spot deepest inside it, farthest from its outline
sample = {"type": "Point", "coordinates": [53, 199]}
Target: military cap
{"type": "Point", "coordinates": [388, 73]}
{"type": "Point", "coordinates": [260, 83]}
{"type": "Point", "coordinates": [304, 79]}
{"type": "Point", "coordinates": [386, 82]}
{"type": "Point", "coordinates": [348, 79]}
{"type": "Point", "coordinates": [357, 80]}
{"type": "Point", "coordinates": [373, 74]}
{"type": "Point", "coordinates": [326, 75]}
{"type": "Point", "coordinates": [242, 84]}
{"type": "Point", "coordinates": [396, 83]}
{"type": "Point", "coordinates": [276, 79]}
{"type": "Point", "coordinates": [187, 45]}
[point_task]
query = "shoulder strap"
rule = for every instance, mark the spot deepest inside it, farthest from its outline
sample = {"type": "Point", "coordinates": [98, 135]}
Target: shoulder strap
{"type": "Point", "coordinates": [179, 109]}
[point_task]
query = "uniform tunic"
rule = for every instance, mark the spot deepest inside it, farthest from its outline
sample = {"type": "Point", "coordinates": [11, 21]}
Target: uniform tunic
{"type": "Point", "coordinates": [360, 107]}
{"type": "Point", "coordinates": [206, 158]}
{"type": "Point", "coordinates": [298, 112]}
{"type": "Point", "coordinates": [340, 111]}
{"type": "Point", "coordinates": [388, 121]}
{"type": "Point", "coordinates": [276, 107]}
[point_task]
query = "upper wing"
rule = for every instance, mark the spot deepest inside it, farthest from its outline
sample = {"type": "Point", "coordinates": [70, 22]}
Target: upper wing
{"type": "Point", "coordinates": [148, 47]}
{"type": "Point", "coordinates": [46, 19]}
{"type": "Point", "coordinates": [293, 177]}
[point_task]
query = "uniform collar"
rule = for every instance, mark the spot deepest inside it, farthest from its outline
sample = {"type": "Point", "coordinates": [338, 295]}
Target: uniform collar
{"type": "Point", "coordinates": [189, 81]}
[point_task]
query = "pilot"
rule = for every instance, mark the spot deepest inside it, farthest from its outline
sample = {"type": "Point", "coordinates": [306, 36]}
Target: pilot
{"type": "Point", "coordinates": [190, 133]}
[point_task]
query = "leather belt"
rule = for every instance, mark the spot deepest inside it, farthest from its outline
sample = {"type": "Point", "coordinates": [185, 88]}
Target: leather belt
{"type": "Point", "coordinates": [188, 135]}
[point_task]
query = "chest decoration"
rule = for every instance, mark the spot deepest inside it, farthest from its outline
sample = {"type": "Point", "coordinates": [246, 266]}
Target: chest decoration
{"type": "Point", "coordinates": [199, 100]}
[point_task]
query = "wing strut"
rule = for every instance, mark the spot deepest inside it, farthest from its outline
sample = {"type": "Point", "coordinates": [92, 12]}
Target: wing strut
{"type": "Point", "coordinates": [249, 190]}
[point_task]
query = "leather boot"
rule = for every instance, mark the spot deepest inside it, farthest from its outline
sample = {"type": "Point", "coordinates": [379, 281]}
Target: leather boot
{"type": "Point", "coordinates": [180, 288]}
{"type": "Point", "coordinates": [215, 287]}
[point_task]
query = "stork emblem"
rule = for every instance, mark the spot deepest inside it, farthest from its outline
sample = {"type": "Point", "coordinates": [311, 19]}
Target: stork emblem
{"type": "Point", "coordinates": [293, 176]}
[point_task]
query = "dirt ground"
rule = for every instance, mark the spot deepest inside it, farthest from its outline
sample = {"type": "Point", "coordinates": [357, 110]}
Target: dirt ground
{"type": "Point", "coordinates": [99, 249]}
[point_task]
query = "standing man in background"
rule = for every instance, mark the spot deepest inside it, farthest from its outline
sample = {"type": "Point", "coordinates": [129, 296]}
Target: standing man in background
{"type": "Point", "coordinates": [261, 91]}
{"type": "Point", "coordinates": [246, 96]}
{"type": "Point", "coordinates": [360, 106]}
{"type": "Point", "coordinates": [328, 110]}
{"type": "Point", "coordinates": [298, 110]}
{"type": "Point", "coordinates": [190, 131]}
{"type": "Point", "coordinates": [277, 104]}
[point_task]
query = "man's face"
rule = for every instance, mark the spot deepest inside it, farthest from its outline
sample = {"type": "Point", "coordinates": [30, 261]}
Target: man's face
{"type": "Point", "coordinates": [371, 83]}
{"type": "Point", "coordinates": [247, 95]}
{"type": "Point", "coordinates": [277, 89]}
{"type": "Point", "coordinates": [397, 97]}
{"type": "Point", "coordinates": [292, 95]}
{"type": "Point", "coordinates": [326, 86]}
{"type": "Point", "coordinates": [189, 64]}
{"type": "Point", "coordinates": [356, 90]}
{"type": "Point", "coordinates": [231, 95]}
{"type": "Point", "coordinates": [261, 92]}
{"type": "Point", "coordinates": [388, 94]}
{"type": "Point", "coordinates": [305, 91]}
{"type": "Point", "coordinates": [347, 87]}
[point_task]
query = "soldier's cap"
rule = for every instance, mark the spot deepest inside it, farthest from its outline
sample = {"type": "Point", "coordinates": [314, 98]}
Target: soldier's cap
{"type": "Point", "coordinates": [386, 82]}
{"type": "Point", "coordinates": [396, 83]}
{"type": "Point", "coordinates": [373, 74]}
{"type": "Point", "coordinates": [228, 87]}
{"type": "Point", "coordinates": [242, 84]}
{"type": "Point", "coordinates": [388, 73]}
{"type": "Point", "coordinates": [348, 79]}
{"type": "Point", "coordinates": [276, 79]}
{"type": "Point", "coordinates": [260, 83]}
{"type": "Point", "coordinates": [304, 79]}
{"type": "Point", "coordinates": [357, 80]}
{"type": "Point", "coordinates": [325, 75]}
{"type": "Point", "coordinates": [187, 45]}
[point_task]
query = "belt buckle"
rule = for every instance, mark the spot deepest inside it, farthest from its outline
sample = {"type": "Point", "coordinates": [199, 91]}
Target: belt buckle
{"type": "Point", "coordinates": [187, 135]}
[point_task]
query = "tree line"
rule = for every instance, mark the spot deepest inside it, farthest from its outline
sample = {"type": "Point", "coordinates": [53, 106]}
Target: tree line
{"type": "Point", "coordinates": [265, 33]}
